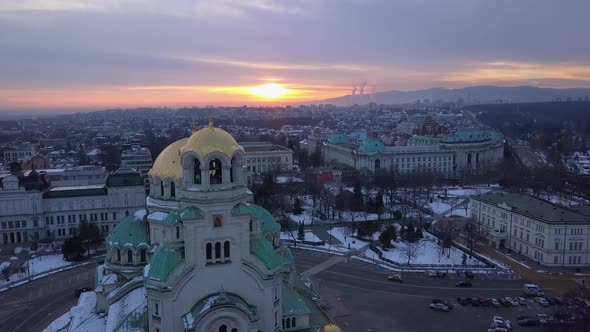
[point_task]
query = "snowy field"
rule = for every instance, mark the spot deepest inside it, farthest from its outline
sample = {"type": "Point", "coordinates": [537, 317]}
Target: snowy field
{"type": "Point", "coordinates": [288, 179]}
{"type": "Point", "coordinates": [438, 207]}
{"type": "Point", "coordinates": [459, 212]}
{"type": "Point", "coordinates": [428, 253]}
{"type": "Point", "coordinates": [309, 236]}
{"type": "Point", "coordinates": [342, 235]}
{"type": "Point", "coordinates": [39, 265]}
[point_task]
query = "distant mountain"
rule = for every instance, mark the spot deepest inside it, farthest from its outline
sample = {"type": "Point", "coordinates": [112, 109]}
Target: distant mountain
{"type": "Point", "coordinates": [473, 94]}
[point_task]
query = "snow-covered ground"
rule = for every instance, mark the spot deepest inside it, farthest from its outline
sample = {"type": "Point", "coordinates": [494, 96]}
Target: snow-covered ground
{"type": "Point", "coordinates": [458, 212]}
{"type": "Point", "coordinates": [429, 252]}
{"type": "Point", "coordinates": [438, 207]}
{"type": "Point", "coordinates": [342, 235]}
{"type": "Point", "coordinates": [309, 236]}
{"type": "Point", "coordinates": [467, 191]}
{"type": "Point", "coordinates": [288, 179]}
{"type": "Point", "coordinates": [39, 265]}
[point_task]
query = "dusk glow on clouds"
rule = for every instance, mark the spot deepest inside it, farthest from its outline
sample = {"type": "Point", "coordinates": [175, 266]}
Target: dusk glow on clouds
{"type": "Point", "coordinates": [92, 54]}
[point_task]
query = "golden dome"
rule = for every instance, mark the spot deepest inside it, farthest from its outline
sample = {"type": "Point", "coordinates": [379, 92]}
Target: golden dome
{"type": "Point", "coordinates": [209, 140]}
{"type": "Point", "coordinates": [330, 328]}
{"type": "Point", "coordinates": [203, 142]}
{"type": "Point", "coordinates": [168, 162]}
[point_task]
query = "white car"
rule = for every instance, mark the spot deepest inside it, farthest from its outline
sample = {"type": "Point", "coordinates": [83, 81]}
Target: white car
{"type": "Point", "coordinates": [521, 300]}
{"type": "Point", "coordinates": [512, 301]}
{"type": "Point", "coordinates": [542, 301]}
{"type": "Point", "coordinates": [439, 307]}
{"type": "Point", "coordinates": [499, 321]}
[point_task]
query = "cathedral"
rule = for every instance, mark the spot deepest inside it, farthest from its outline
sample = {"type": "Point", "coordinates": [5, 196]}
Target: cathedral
{"type": "Point", "coordinates": [201, 256]}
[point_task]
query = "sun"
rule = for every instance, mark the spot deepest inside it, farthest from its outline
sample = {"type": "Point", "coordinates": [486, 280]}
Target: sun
{"type": "Point", "coordinates": [270, 90]}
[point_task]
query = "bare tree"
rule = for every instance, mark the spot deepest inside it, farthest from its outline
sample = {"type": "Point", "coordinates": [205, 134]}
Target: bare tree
{"type": "Point", "coordinates": [473, 232]}
{"type": "Point", "coordinates": [447, 235]}
{"type": "Point", "coordinates": [412, 250]}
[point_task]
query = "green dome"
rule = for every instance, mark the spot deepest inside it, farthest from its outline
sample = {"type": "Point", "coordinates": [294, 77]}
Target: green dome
{"type": "Point", "coordinates": [131, 231]}
{"type": "Point", "coordinates": [372, 146]}
{"type": "Point", "coordinates": [338, 138]}
{"type": "Point", "coordinates": [269, 225]}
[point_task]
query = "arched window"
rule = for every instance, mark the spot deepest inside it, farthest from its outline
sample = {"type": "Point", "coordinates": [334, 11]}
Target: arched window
{"type": "Point", "coordinates": [142, 255]}
{"type": "Point", "coordinates": [377, 165]}
{"type": "Point", "coordinates": [226, 249]}
{"type": "Point", "coordinates": [177, 232]}
{"type": "Point", "coordinates": [469, 158]}
{"type": "Point", "coordinates": [283, 323]}
{"type": "Point", "coordinates": [172, 189]}
{"type": "Point", "coordinates": [288, 323]}
{"type": "Point", "coordinates": [217, 250]}
{"type": "Point", "coordinates": [197, 171]}
{"type": "Point", "coordinates": [129, 256]}
{"type": "Point", "coordinates": [293, 322]}
{"type": "Point", "coordinates": [223, 328]}
{"type": "Point", "coordinates": [234, 330]}
{"type": "Point", "coordinates": [161, 188]}
{"type": "Point", "coordinates": [118, 255]}
{"type": "Point", "coordinates": [233, 169]}
{"type": "Point", "coordinates": [209, 251]}
{"type": "Point", "coordinates": [215, 172]}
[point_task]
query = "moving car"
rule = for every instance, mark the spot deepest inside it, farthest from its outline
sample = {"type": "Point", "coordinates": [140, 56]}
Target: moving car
{"type": "Point", "coordinates": [79, 291]}
{"type": "Point", "coordinates": [464, 283]}
{"type": "Point", "coordinates": [532, 290]}
{"type": "Point", "coordinates": [395, 277]}
{"type": "Point", "coordinates": [439, 307]}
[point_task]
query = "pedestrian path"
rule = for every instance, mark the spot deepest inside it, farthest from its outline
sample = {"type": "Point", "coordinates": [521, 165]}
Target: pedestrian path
{"type": "Point", "coordinates": [332, 261]}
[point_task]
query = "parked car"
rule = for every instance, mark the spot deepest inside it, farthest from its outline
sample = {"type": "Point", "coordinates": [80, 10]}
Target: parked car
{"type": "Point", "coordinates": [483, 302]}
{"type": "Point", "coordinates": [504, 302]}
{"type": "Point", "coordinates": [443, 301]}
{"type": "Point", "coordinates": [437, 274]}
{"type": "Point", "coordinates": [464, 283]}
{"type": "Point", "coordinates": [542, 301]}
{"type": "Point", "coordinates": [512, 301]}
{"type": "Point", "coordinates": [439, 307]}
{"type": "Point", "coordinates": [529, 321]}
{"type": "Point", "coordinates": [521, 300]}
{"type": "Point", "coordinates": [395, 277]}
{"type": "Point", "coordinates": [494, 302]}
{"type": "Point", "coordinates": [79, 291]}
{"type": "Point", "coordinates": [473, 301]}
{"type": "Point", "coordinates": [463, 300]}
{"type": "Point", "coordinates": [545, 319]}
{"type": "Point", "coordinates": [499, 321]}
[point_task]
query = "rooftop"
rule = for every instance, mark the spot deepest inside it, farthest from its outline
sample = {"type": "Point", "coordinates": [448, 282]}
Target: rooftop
{"type": "Point", "coordinates": [534, 207]}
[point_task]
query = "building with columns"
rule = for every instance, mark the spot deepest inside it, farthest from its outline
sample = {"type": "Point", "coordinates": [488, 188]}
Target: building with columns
{"type": "Point", "coordinates": [467, 151]}
{"type": "Point", "coordinates": [201, 256]}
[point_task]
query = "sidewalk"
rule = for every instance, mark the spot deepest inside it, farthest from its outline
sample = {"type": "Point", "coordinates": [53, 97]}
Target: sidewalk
{"type": "Point", "coordinates": [559, 284]}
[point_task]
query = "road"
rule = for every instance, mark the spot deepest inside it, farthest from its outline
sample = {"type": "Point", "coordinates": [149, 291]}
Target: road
{"type": "Point", "coordinates": [356, 293]}
{"type": "Point", "coordinates": [32, 306]}
{"type": "Point", "coordinates": [359, 297]}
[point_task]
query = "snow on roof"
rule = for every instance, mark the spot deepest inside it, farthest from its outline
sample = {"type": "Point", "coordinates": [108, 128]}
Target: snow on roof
{"type": "Point", "coordinates": [84, 319]}
{"type": "Point", "coordinates": [134, 302]}
{"type": "Point", "coordinates": [139, 214]}
{"type": "Point", "coordinates": [158, 215]}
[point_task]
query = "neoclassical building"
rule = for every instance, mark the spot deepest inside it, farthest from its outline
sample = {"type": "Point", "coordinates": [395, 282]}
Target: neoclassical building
{"type": "Point", "coordinates": [201, 256]}
{"type": "Point", "coordinates": [467, 151]}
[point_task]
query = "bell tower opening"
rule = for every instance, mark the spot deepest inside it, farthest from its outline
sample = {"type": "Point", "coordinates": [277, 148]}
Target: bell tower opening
{"type": "Point", "coordinates": [196, 171]}
{"type": "Point", "coordinates": [215, 176]}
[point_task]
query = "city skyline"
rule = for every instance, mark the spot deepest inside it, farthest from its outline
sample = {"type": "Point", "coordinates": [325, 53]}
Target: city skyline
{"type": "Point", "coordinates": [87, 54]}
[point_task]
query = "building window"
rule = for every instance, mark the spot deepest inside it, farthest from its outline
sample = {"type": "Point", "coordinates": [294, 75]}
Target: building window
{"type": "Point", "coordinates": [114, 215]}
{"type": "Point", "coordinates": [172, 189]}
{"type": "Point", "coordinates": [226, 249]}
{"type": "Point", "coordinates": [293, 322]}
{"type": "Point", "coordinates": [215, 176]}
{"type": "Point", "coordinates": [118, 255]}
{"type": "Point", "coordinates": [177, 232]}
{"type": "Point", "coordinates": [208, 250]}
{"type": "Point", "coordinates": [196, 171]}
{"type": "Point", "coordinates": [142, 255]}
{"type": "Point", "coordinates": [223, 328]}
{"type": "Point", "coordinates": [161, 188]}
{"type": "Point", "coordinates": [217, 250]}
{"type": "Point", "coordinates": [129, 257]}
